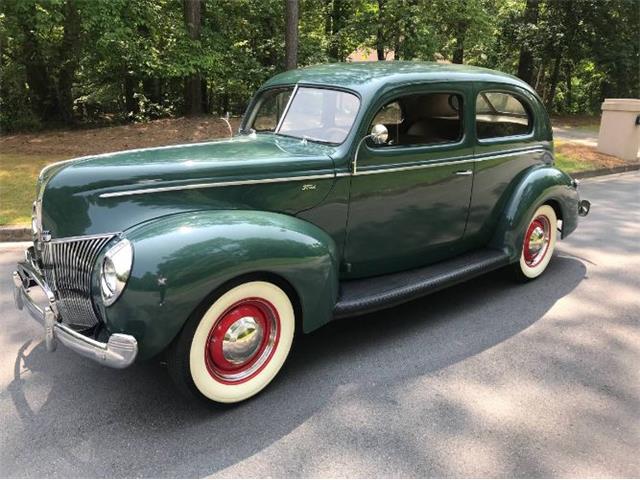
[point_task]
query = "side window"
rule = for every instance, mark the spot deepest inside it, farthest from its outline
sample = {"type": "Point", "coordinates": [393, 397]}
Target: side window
{"type": "Point", "coordinates": [425, 119]}
{"type": "Point", "coordinates": [501, 115]}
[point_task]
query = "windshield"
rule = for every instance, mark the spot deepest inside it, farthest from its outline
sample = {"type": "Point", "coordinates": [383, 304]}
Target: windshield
{"type": "Point", "coordinates": [317, 114]}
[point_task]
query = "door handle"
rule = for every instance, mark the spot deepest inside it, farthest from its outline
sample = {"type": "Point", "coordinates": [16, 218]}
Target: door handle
{"type": "Point", "coordinates": [464, 172]}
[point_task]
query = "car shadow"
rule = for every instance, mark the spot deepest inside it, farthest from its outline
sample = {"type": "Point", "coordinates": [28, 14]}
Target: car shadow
{"type": "Point", "coordinates": [102, 422]}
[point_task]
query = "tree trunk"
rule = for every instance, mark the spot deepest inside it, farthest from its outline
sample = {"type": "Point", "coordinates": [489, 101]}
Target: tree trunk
{"type": "Point", "coordinates": [193, 83]}
{"type": "Point", "coordinates": [555, 75]}
{"type": "Point", "coordinates": [68, 60]}
{"type": "Point", "coordinates": [458, 52]}
{"type": "Point", "coordinates": [540, 76]}
{"type": "Point", "coordinates": [129, 84]}
{"type": "Point", "coordinates": [380, 32]}
{"type": "Point", "coordinates": [41, 92]}
{"type": "Point", "coordinates": [152, 89]}
{"type": "Point", "coordinates": [330, 6]}
{"type": "Point", "coordinates": [525, 63]}
{"type": "Point", "coordinates": [337, 11]}
{"type": "Point", "coordinates": [204, 94]}
{"type": "Point", "coordinates": [569, 97]}
{"type": "Point", "coordinates": [291, 35]}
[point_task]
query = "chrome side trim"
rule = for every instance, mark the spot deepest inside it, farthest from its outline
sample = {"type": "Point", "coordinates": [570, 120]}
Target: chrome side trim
{"type": "Point", "coordinates": [230, 183]}
{"type": "Point", "coordinates": [510, 153]}
{"type": "Point", "coordinates": [453, 161]}
{"type": "Point", "coordinates": [412, 167]}
{"type": "Point", "coordinates": [233, 183]}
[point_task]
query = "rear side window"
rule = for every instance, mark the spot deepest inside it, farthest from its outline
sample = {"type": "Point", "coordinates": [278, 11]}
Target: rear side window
{"type": "Point", "coordinates": [423, 119]}
{"type": "Point", "coordinates": [501, 114]}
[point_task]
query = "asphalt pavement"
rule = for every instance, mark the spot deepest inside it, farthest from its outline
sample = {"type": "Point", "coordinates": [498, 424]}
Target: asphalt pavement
{"type": "Point", "coordinates": [485, 379]}
{"type": "Point", "coordinates": [590, 139]}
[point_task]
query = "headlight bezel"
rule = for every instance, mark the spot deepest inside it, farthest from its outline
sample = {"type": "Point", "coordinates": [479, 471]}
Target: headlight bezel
{"type": "Point", "coordinates": [115, 270]}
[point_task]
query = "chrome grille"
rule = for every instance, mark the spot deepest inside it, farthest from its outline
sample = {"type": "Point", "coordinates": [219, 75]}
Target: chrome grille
{"type": "Point", "coordinates": [67, 267]}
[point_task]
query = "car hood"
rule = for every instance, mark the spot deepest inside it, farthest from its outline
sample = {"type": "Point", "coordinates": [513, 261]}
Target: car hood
{"type": "Point", "coordinates": [76, 193]}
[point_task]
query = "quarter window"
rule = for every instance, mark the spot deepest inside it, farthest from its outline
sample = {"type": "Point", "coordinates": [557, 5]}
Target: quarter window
{"type": "Point", "coordinates": [501, 114]}
{"type": "Point", "coordinates": [271, 107]}
{"type": "Point", "coordinates": [426, 119]}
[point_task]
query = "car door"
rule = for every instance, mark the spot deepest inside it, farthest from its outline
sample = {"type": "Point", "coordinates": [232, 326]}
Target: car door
{"type": "Point", "coordinates": [510, 138]}
{"type": "Point", "coordinates": [409, 197]}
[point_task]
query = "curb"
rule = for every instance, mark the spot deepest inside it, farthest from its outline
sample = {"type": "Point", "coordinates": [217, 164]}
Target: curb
{"type": "Point", "coordinates": [18, 233]}
{"type": "Point", "coordinates": [15, 233]}
{"type": "Point", "coordinates": [606, 171]}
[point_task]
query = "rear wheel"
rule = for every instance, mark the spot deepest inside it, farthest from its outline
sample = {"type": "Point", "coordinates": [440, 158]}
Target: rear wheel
{"type": "Point", "coordinates": [231, 349]}
{"type": "Point", "coordinates": [538, 244]}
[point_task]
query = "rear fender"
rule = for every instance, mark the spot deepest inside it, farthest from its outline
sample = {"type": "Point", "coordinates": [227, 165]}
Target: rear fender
{"type": "Point", "coordinates": [181, 259]}
{"type": "Point", "coordinates": [540, 185]}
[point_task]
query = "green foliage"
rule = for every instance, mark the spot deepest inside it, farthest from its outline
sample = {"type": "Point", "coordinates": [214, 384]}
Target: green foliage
{"type": "Point", "coordinates": [88, 61]}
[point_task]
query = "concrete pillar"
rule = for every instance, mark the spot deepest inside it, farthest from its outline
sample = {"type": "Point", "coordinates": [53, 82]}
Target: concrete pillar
{"type": "Point", "coordinates": [620, 128]}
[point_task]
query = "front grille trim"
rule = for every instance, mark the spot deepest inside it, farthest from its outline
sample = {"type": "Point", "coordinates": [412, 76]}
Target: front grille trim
{"type": "Point", "coordinates": [68, 268]}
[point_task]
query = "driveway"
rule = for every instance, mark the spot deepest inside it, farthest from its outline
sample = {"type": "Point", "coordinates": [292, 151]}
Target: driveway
{"type": "Point", "coordinates": [486, 379]}
{"type": "Point", "coordinates": [573, 135]}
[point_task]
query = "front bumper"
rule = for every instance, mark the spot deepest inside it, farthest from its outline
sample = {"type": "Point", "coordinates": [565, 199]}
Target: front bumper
{"type": "Point", "coordinates": [120, 351]}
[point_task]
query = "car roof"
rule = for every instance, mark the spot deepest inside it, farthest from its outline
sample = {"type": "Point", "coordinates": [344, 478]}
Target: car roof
{"type": "Point", "coordinates": [365, 76]}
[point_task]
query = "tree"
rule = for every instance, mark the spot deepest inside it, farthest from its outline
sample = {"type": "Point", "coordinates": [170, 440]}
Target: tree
{"type": "Point", "coordinates": [525, 63]}
{"type": "Point", "coordinates": [380, 36]}
{"type": "Point", "coordinates": [291, 35]}
{"type": "Point", "coordinates": [193, 83]}
{"type": "Point", "coordinates": [92, 61]}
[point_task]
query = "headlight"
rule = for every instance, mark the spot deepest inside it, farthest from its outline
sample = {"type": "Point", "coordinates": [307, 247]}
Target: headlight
{"type": "Point", "coordinates": [116, 267]}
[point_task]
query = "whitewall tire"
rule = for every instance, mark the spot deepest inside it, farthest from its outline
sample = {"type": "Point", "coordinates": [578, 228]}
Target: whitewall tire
{"type": "Point", "coordinates": [538, 243]}
{"type": "Point", "coordinates": [236, 345]}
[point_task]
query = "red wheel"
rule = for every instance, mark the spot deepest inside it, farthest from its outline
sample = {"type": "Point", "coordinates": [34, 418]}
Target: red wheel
{"type": "Point", "coordinates": [536, 240]}
{"type": "Point", "coordinates": [242, 341]}
{"type": "Point", "coordinates": [538, 243]}
{"type": "Point", "coordinates": [231, 349]}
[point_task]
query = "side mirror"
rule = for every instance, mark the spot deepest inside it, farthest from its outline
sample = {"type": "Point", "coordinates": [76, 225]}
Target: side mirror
{"type": "Point", "coordinates": [379, 134]}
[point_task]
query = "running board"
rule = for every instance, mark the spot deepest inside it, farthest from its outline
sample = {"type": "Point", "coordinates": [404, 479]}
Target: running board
{"type": "Point", "coordinates": [358, 297]}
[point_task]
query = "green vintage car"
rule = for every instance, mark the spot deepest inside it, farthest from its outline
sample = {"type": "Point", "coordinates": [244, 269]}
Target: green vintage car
{"type": "Point", "coordinates": [349, 188]}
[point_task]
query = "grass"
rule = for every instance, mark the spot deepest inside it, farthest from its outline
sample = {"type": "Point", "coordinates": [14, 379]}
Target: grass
{"type": "Point", "coordinates": [571, 164]}
{"type": "Point", "coordinates": [24, 155]}
{"type": "Point", "coordinates": [573, 157]}
{"type": "Point", "coordinates": [18, 175]}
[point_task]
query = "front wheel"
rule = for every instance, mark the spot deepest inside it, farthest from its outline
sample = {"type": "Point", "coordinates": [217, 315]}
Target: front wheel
{"type": "Point", "coordinates": [538, 244]}
{"type": "Point", "coordinates": [231, 349]}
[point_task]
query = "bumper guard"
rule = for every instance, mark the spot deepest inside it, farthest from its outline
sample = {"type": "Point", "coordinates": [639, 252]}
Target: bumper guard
{"type": "Point", "coordinates": [120, 351]}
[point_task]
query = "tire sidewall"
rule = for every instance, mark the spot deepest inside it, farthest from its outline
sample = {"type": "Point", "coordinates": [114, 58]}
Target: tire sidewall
{"type": "Point", "coordinates": [530, 272]}
{"type": "Point", "coordinates": [199, 376]}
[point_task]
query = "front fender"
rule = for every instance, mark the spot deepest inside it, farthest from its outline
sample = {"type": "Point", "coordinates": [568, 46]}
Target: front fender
{"type": "Point", "coordinates": [180, 259]}
{"type": "Point", "coordinates": [541, 184]}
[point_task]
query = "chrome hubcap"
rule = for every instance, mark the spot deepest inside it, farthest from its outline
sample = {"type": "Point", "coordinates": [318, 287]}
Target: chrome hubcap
{"type": "Point", "coordinates": [242, 340]}
{"type": "Point", "coordinates": [536, 241]}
